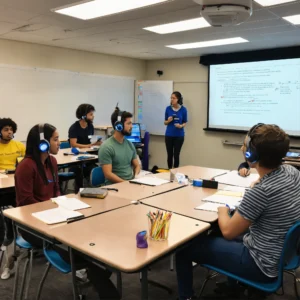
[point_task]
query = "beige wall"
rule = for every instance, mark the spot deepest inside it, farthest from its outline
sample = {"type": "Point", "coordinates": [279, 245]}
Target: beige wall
{"type": "Point", "coordinates": [34, 55]}
{"type": "Point", "coordinates": [200, 147]}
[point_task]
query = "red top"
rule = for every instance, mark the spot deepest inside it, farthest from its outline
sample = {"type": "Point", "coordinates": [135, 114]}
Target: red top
{"type": "Point", "coordinates": [30, 186]}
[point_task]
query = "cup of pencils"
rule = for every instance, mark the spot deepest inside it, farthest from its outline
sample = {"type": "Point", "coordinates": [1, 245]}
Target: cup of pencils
{"type": "Point", "coordinates": [159, 225]}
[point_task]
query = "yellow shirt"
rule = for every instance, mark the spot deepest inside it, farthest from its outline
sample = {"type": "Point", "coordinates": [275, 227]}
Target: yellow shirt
{"type": "Point", "coordinates": [9, 153]}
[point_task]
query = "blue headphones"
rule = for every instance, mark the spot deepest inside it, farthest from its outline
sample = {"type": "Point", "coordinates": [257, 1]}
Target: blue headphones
{"type": "Point", "coordinates": [251, 154]}
{"type": "Point", "coordinates": [44, 145]}
{"type": "Point", "coordinates": [119, 126]}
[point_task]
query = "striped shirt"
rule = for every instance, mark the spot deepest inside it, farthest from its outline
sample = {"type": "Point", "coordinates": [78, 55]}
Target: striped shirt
{"type": "Point", "coordinates": [272, 206]}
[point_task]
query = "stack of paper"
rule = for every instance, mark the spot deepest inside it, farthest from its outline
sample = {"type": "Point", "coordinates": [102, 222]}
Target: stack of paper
{"type": "Point", "coordinates": [69, 203]}
{"type": "Point", "coordinates": [56, 215]}
{"type": "Point", "coordinates": [209, 206]}
{"type": "Point", "coordinates": [233, 178]}
{"type": "Point", "coordinates": [223, 199]}
{"type": "Point", "coordinates": [149, 180]}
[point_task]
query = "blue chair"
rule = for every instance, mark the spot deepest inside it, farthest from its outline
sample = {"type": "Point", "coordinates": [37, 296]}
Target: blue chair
{"type": "Point", "coordinates": [289, 262]}
{"type": "Point", "coordinates": [64, 177]}
{"type": "Point", "coordinates": [97, 177]}
{"type": "Point", "coordinates": [22, 244]}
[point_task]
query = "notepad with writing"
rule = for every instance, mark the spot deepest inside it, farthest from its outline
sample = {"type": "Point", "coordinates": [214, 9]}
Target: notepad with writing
{"type": "Point", "coordinates": [56, 215]}
{"type": "Point", "coordinates": [223, 199]}
{"type": "Point", "coordinates": [233, 178]}
{"type": "Point", "coordinates": [149, 180]}
{"type": "Point", "coordinates": [70, 203]}
{"type": "Point", "coordinates": [209, 206]}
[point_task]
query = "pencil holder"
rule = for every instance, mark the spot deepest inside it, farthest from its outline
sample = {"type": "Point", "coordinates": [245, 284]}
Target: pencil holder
{"type": "Point", "coordinates": [159, 225]}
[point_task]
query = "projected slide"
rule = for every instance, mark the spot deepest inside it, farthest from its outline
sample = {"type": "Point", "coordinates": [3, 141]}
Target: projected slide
{"type": "Point", "coordinates": [243, 94]}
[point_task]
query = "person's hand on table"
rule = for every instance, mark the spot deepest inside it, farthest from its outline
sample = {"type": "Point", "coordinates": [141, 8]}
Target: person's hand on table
{"type": "Point", "coordinates": [223, 209]}
{"type": "Point", "coordinates": [244, 172]}
{"type": "Point", "coordinates": [254, 183]}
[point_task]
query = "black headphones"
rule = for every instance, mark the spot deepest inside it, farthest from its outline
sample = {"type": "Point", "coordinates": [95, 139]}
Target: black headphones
{"type": "Point", "coordinates": [44, 145]}
{"type": "Point", "coordinates": [251, 154]}
{"type": "Point", "coordinates": [119, 124]}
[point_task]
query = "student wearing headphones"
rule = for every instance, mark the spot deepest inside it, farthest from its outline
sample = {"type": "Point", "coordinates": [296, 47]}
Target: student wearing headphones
{"type": "Point", "coordinates": [81, 130]}
{"type": "Point", "coordinates": [117, 155]}
{"type": "Point", "coordinates": [10, 149]}
{"type": "Point", "coordinates": [268, 210]}
{"type": "Point", "coordinates": [36, 180]}
{"type": "Point", "coordinates": [175, 120]}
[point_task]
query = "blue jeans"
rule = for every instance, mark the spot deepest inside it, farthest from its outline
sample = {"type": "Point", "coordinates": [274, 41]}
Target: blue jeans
{"type": "Point", "coordinates": [231, 256]}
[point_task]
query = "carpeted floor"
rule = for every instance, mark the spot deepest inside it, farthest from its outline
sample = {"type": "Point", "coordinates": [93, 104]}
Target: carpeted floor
{"type": "Point", "coordinates": [58, 286]}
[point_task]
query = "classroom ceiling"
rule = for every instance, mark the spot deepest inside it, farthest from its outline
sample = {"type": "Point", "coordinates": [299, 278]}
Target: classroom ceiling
{"type": "Point", "coordinates": [122, 34]}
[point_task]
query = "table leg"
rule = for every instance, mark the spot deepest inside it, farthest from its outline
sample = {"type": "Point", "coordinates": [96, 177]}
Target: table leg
{"type": "Point", "coordinates": [75, 291]}
{"type": "Point", "coordinates": [144, 283]}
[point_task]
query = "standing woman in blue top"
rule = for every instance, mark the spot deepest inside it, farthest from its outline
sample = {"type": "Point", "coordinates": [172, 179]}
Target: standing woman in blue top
{"type": "Point", "coordinates": [175, 120]}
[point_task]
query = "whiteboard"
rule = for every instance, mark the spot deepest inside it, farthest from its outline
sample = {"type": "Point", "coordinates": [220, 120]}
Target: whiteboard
{"type": "Point", "coordinates": [153, 98]}
{"type": "Point", "coordinates": [32, 95]}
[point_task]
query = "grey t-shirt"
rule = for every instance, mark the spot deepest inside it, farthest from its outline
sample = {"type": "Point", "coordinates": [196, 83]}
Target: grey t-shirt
{"type": "Point", "coordinates": [119, 155]}
{"type": "Point", "coordinates": [273, 207]}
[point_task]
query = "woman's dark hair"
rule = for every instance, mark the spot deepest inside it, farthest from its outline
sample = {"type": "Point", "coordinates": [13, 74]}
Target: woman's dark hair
{"type": "Point", "coordinates": [179, 97]}
{"type": "Point", "coordinates": [115, 114]}
{"type": "Point", "coordinates": [8, 122]}
{"type": "Point", "coordinates": [33, 151]}
{"type": "Point", "coordinates": [83, 110]}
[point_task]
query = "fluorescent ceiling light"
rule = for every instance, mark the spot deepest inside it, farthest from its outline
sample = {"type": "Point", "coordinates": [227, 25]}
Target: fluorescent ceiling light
{"type": "Point", "coordinates": [236, 40]}
{"type": "Point", "coordinates": [293, 19]}
{"type": "Point", "coordinates": [272, 2]}
{"type": "Point", "coordinates": [179, 26]}
{"type": "Point", "coordinates": [98, 8]}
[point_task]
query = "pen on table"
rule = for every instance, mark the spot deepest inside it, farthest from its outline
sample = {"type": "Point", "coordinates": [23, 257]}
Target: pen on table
{"type": "Point", "coordinates": [110, 189]}
{"type": "Point", "coordinates": [134, 182]}
{"type": "Point", "coordinates": [70, 220]}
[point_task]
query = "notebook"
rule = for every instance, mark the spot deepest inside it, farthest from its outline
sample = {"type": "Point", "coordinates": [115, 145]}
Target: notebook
{"type": "Point", "coordinates": [209, 206]}
{"type": "Point", "coordinates": [233, 178]}
{"type": "Point", "coordinates": [149, 180]}
{"type": "Point", "coordinates": [56, 215]}
{"type": "Point", "coordinates": [93, 193]}
{"type": "Point", "coordinates": [232, 201]}
{"type": "Point", "coordinates": [70, 203]}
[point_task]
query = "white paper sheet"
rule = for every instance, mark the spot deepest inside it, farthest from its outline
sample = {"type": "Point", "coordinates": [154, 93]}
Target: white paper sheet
{"type": "Point", "coordinates": [222, 199]}
{"type": "Point", "coordinates": [3, 176]}
{"type": "Point", "coordinates": [233, 178]}
{"type": "Point", "coordinates": [209, 206]}
{"type": "Point", "coordinates": [56, 215]}
{"type": "Point", "coordinates": [70, 203]}
{"type": "Point", "coordinates": [150, 180]}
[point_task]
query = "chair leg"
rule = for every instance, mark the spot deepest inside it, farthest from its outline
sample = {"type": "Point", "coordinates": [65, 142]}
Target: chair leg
{"type": "Point", "coordinates": [119, 284]}
{"type": "Point", "coordinates": [208, 277]}
{"type": "Point", "coordinates": [14, 296]}
{"type": "Point", "coordinates": [29, 274]}
{"type": "Point", "coordinates": [42, 281]}
{"type": "Point", "coordinates": [296, 280]}
{"type": "Point", "coordinates": [24, 278]}
{"type": "Point", "coordinates": [172, 262]}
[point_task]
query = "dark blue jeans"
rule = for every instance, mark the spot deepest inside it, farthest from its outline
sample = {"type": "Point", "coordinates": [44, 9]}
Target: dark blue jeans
{"type": "Point", "coordinates": [231, 256]}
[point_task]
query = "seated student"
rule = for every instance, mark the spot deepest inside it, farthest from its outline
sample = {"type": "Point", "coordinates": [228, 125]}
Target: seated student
{"type": "Point", "coordinates": [10, 149]}
{"type": "Point", "coordinates": [36, 180]}
{"type": "Point", "coordinates": [117, 155]}
{"type": "Point", "coordinates": [81, 131]}
{"type": "Point", "coordinates": [80, 137]}
{"type": "Point", "coordinates": [268, 210]}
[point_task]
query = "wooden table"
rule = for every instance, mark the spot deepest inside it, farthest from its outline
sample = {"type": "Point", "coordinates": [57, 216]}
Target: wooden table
{"type": "Point", "coordinates": [22, 216]}
{"type": "Point", "coordinates": [69, 159]}
{"type": "Point", "coordinates": [8, 182]}
{"type": "Point", "coordinates": [111, 239]}
{"type": "Point", "coordinates": [183, 202]}
{"type": "Point", "coordinates": [195, 172]}
{"type": "Point", "coordinates": [137, 192]}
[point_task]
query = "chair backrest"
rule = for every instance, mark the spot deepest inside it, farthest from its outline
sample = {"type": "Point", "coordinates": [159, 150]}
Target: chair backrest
{"type": "Point", "coordinates": [290, 250]}
{"type": "Point", "coordinates": [97, 177]}
{"type": "Point", "coordinates": [64, 145]}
